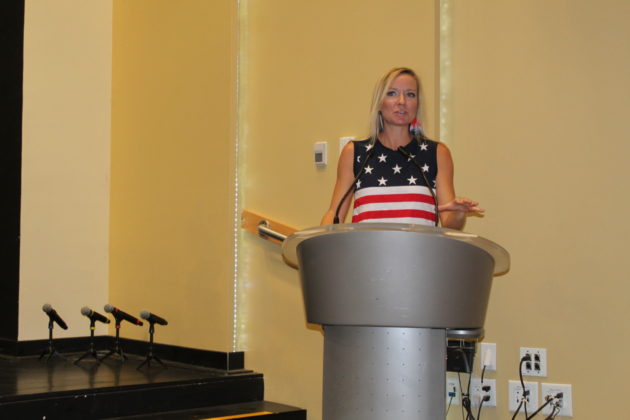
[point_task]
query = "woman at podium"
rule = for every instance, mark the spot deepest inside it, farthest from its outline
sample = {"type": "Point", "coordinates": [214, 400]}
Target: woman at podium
{"type": "Point", "coordinates": [398, 174]}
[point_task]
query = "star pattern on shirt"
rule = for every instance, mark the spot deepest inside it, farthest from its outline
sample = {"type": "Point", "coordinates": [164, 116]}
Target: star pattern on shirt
{"type": "Point", "coordinates": [388, 168]}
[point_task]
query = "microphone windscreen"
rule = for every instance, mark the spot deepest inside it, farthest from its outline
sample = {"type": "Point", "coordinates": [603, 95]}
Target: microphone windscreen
{"type": "Point", "coordinates": [86, 311]}
{"type": "Point", "coordinates": [47, 308]}
{"type": "Point", "coordinates": [108, 308]}
{"type": "Point", "coordinates": [145, 315]}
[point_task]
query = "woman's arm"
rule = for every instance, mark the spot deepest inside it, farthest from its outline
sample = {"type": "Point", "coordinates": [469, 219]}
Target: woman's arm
{"type": "Point", "coordinates": [453, 209]}
{"type": "Point", "coordinates": [345, 176]}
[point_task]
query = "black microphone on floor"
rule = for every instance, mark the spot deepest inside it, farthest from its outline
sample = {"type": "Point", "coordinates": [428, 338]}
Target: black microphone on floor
{"type": "Point", "coordinates": [118, 314]}
{"type": "Point", "coordinates": [153, 318]}
{"type": "Point", "coordinates": [94, 316]}
{"type": "Point", "coordinates": [352, 186]}
{"type": "Point", "coordinates": [54, 316]}
{"type": "Point", "coordinates": [426, 181]}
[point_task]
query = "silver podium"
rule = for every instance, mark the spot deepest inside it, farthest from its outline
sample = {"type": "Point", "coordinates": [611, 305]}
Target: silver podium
{"type": "Point", "coordinates": [386, 295]}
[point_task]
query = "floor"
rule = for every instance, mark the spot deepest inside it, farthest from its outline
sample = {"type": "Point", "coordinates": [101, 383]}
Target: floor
{"type": "Point", "coordinates": [24, 376]}
{"type": "Point", "coordinates": [62, 387]}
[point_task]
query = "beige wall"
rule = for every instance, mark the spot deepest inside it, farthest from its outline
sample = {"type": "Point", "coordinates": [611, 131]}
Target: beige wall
{"type": "Point", "coordinates": [539, 89]}
{"type": "Point", "coordinates": [309, 73]}
{"type": "Point", "coordinates": [65, 167]}
{"type": "Point", "coordinates": [172, 163]}
{"type": "Point", "coordinates": [538, 92]}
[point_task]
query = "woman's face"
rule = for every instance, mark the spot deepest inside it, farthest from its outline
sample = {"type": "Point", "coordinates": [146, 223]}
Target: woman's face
{"type": "Point", "coordinates": [401, 101]}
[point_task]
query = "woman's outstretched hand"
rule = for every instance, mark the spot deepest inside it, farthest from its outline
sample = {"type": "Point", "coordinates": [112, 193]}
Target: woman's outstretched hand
{"type": "Point", "coordinates": [462, 204]}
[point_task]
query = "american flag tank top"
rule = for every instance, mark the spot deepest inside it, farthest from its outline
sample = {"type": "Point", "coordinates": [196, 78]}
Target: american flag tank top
{"type": "Point", "coordinates": [391, 188]}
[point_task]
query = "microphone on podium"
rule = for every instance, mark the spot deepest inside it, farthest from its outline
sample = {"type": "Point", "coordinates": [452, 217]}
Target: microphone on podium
{"type": "Point", "coordinates": [426, 181]}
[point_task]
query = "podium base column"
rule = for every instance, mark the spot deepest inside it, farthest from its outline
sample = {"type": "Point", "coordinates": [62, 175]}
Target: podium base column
{"type": "Point", "coordinates": [375, 373]}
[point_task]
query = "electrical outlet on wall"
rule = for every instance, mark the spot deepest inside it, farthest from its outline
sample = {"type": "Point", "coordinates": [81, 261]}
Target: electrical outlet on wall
{"type": "Point", "coordinates": [453, 393]}
{"type": "Point", "coordinates": [537, 365]}
{"type": "Point", "coordinates": [561, 398]}
{"type": "Point", "coordinates": [485, 391]}
{"type": "Point", "coordinates": [515, 395]}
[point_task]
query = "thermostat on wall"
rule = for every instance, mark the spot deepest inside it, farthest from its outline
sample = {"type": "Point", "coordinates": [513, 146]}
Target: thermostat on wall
{"type": "Point", "coordinates": [320, 151]}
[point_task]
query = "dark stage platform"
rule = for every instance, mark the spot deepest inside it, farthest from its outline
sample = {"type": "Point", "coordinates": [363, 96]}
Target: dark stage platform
{"type": "Point", "coordinates": [60, 389]}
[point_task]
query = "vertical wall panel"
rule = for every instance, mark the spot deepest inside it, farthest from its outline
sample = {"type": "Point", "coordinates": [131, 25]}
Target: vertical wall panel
{"type": "Point", "coordinates": [66, 163]}
{"type": "Point", "coordinates": [172, 164]}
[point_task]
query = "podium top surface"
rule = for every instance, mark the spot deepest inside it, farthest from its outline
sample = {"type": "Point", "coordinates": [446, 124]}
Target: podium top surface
{"type": "Point", "coordinates": [499, 254]}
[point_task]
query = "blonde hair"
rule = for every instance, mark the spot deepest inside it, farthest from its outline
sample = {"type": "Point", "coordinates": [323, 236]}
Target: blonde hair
{"type": "Point", "coordinates": [380, 90]}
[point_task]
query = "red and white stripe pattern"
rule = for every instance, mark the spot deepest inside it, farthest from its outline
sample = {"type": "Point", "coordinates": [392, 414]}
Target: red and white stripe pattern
{"type": "Point", "coordinates": [411, 204]}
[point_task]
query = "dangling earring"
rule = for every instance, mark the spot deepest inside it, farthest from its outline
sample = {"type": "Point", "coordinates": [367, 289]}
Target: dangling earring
{"type": "Point", "coordinates": [415, 128]}
{"type": "Point", "coordinates": [380, 122]}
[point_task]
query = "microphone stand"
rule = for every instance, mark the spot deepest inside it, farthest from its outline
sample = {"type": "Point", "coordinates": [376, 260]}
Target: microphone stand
{"type": "Point", "coordinates": [438, 217]}
{"type": "Point", "coordinates": [352, 186]}
{"type": "Point", "coordinates": [117, 349]}
{"type": "Point", "coordinates": [150, 355]}
{"type": "Point", "coordinates": [51, 351]}
{"type": "Point", "coordinates": [91, 351]}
